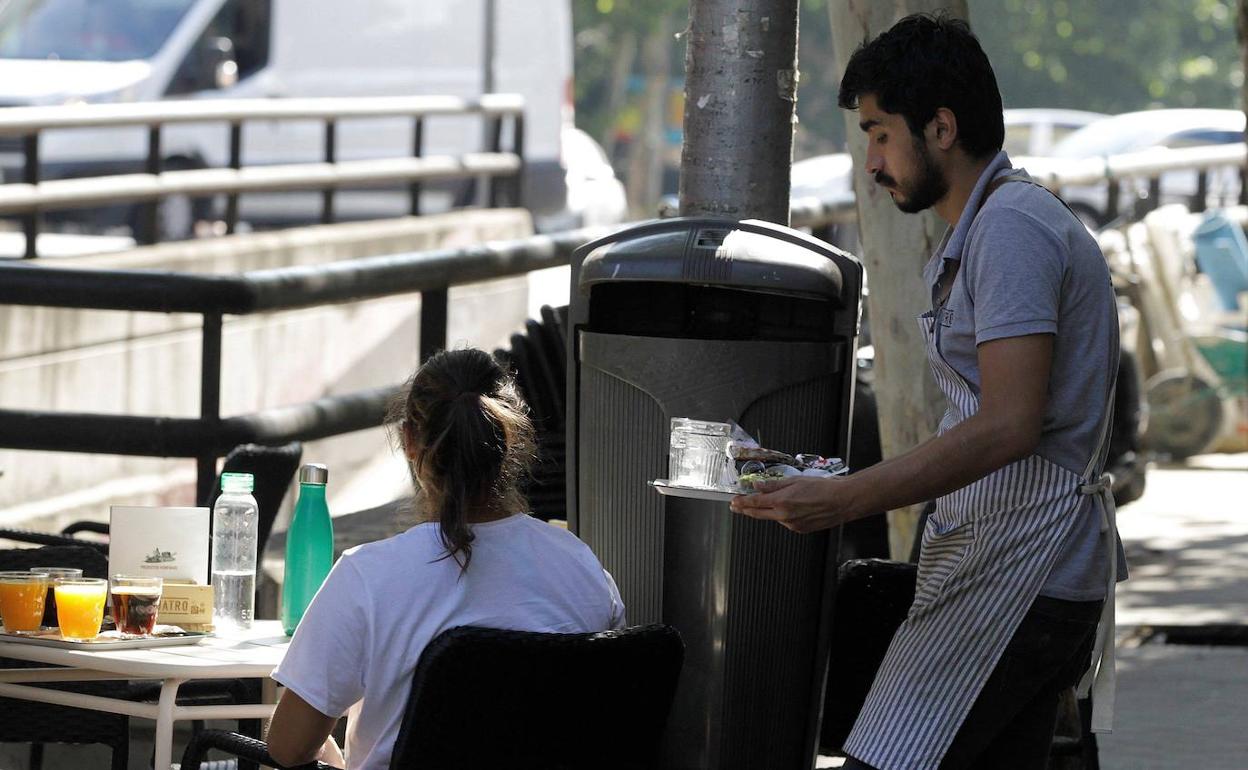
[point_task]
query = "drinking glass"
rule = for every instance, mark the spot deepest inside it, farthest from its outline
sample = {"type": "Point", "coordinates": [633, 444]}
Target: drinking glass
{"type": "Point", "coordinates": [49, 603]}
{"type": "Point", "coordinates": [136, 600]}
{"type": "Point", "coordinates": [21, 601]}
{"type": "Point", "coordinates": [699, 452]}
{"type": "Point", "coordinates": [80, 606]}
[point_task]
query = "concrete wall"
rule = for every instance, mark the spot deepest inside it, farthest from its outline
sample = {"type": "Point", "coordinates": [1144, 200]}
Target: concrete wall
{"type": "Point", "coordinates": [148, 363]}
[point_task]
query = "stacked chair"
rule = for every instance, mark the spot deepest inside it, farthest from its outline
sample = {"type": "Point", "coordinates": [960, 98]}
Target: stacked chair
{"type": "Point", "coordinates": [539, 359]}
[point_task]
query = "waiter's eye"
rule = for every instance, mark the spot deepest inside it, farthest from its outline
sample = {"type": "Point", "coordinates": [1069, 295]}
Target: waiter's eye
{"type": "Point", "coordinates": [881, 138]}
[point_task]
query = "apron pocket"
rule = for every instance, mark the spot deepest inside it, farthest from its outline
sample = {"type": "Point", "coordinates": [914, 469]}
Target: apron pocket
{"type": "Point", "coordinates": [942, 554]}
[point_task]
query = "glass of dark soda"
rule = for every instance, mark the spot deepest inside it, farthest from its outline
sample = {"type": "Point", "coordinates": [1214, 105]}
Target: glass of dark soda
{"type": "Point", "coordinates": [135, 602]}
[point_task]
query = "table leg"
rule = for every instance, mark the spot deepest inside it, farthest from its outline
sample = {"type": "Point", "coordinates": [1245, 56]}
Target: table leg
{"type": "Point", "coordinates": [164, 723]}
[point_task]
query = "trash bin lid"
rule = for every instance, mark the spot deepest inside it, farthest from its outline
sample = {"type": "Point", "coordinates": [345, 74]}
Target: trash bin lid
{"type": "Point", "coordinates": [749, 254]}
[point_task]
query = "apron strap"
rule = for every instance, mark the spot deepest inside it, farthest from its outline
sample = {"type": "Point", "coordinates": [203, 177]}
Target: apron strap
{"type": "Point", "coordinates": [1101, 678]}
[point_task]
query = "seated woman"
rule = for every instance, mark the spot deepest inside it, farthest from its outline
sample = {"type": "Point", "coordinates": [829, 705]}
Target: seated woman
{"type": "Point", "coordinates": [475, 559]}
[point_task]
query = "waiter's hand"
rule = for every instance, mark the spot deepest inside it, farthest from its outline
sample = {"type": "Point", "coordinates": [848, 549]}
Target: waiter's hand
{"type": "Point", "coordinates": [802, 504]}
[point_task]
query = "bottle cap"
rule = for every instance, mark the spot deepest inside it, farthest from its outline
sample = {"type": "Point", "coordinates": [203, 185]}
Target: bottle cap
{"type": "Point", "coordinates": [237, 482]}
{"type": "Point", "coordinates": [313, 473]}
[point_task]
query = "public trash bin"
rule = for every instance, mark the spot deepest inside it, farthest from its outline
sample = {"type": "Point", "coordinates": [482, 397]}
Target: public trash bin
{"type": "Point", "coordinates": [715, 320]}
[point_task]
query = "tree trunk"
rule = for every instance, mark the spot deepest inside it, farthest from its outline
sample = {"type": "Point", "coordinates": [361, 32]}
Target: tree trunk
{"type": "Point", "coordinates": [895, 247]}
{"type": "Point", "coordinates": [740, 101]}
{"type": "Point", "coordinates": [625, 56]}
{"type": "Point", "coordinates": [645, 166]}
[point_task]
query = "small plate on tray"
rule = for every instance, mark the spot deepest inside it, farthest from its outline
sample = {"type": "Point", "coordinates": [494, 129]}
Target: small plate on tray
{"type": "Point", "coordinates": [162, 636]}
{"type": "Point", "coordinates": [664, 487]}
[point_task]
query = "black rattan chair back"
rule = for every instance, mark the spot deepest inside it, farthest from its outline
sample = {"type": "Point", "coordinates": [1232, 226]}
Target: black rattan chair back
{"type": "Point", "coordinates": [484, 697]}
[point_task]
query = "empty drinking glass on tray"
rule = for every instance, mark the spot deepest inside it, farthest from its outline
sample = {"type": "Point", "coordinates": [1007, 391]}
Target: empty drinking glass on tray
{"type": "Point", "coordinates": [699, 452]}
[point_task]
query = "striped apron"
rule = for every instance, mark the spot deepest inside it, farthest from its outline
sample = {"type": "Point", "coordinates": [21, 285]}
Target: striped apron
{"type": "Point", "coordinates": [986, 551]}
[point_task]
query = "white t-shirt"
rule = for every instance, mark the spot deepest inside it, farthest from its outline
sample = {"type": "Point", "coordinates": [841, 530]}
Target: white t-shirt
{"type": "Point", "coordinates": [358, 643]}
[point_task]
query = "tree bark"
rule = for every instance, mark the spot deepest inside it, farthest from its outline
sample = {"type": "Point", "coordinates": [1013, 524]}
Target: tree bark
{"type": "Point", "coordinates": [740, 102]}
{"type": "Point", "coordinates": [895, 247]}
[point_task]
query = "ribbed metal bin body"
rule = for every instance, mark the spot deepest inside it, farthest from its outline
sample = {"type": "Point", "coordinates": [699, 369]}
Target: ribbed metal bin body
{"type": "Point", "coordinates": [696, 325]}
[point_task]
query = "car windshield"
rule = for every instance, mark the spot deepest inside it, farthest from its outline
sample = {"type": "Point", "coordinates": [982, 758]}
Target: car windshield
{"type": "Point", "coordinates": [87, 30]}
{"type": "Point", "coordinates": [1107, 137]}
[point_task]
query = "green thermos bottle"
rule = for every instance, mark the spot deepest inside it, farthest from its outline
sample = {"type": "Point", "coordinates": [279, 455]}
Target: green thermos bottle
{"type": "Point", "coordinates": [309, 546]}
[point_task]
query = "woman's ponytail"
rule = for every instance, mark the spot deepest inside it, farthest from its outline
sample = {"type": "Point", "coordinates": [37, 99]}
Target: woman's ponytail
{"type": "Point", "coordinates": [466, 429]}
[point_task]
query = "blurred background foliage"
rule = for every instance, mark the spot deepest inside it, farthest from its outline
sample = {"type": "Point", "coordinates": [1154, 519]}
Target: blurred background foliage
{"type": "Point", "coordinates": [1101, 55]}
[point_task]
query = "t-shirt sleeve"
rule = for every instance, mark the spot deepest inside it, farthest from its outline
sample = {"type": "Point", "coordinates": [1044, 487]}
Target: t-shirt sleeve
{"type": "Point", "coordinates": [1015, 272]}
{"type": "Point", "coordinates": [324, 664]}
{"type": "Point", "coordinates": [617, 619]}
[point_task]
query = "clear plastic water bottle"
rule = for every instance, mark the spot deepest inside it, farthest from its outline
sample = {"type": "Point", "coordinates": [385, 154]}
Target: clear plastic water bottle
{"type": "Point", "coordinates": [235, 522]}
{"type": "Point", "coordinates": [309, 546]}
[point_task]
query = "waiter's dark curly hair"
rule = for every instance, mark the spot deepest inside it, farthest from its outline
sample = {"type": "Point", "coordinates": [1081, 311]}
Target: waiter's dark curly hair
{"type": "Point", "coordinates": [922, 63]}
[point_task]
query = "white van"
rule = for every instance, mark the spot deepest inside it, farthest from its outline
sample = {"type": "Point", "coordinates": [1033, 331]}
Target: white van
{"type": "Point", "coordinates": [74, 51]}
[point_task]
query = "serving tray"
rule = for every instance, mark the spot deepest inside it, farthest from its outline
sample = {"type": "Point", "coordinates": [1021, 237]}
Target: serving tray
{"type": "Point", "coordinates": [664, 487]}
{"type": "Point", "coordinates": [162, 636]}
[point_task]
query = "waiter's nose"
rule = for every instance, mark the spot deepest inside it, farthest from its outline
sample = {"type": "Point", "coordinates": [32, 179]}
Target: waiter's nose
{"type": "Point", "coordinates": [875, 160]}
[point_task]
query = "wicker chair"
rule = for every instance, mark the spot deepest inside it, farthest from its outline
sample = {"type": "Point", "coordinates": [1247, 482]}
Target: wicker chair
{"type": "Point", "coordinates": [40, 723]}
{"type": "Point", "coordinates": [484, 697]}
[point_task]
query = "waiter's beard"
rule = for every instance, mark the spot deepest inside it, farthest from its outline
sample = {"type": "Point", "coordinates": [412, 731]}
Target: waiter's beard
{"type": "Point", "coordinates": [928, 187]}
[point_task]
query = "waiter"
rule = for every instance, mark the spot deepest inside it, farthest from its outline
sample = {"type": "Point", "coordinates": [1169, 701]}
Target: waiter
{"type": "Point", "coordinates": [1014, 601]}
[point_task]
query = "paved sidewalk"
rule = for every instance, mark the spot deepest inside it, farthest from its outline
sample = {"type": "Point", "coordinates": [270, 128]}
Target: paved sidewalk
{"type": "Point", "coordinates": [1187, 544]}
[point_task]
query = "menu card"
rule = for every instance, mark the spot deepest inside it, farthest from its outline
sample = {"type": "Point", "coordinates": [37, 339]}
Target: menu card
{"type": "Point", "coordinates": [159, 542]}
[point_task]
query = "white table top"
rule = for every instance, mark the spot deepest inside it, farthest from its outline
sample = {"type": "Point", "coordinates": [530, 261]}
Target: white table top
{"type": "Point", "coordinates": [251, 653]}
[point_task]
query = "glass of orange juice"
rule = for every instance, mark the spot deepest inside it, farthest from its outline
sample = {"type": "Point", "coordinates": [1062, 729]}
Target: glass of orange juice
{"type": "Point", "coordinates": [80, 606]}
{"type": "Point", "coordinates": [21, 601]}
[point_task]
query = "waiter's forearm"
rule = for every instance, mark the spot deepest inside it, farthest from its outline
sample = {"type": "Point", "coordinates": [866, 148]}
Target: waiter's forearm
{"type": "Point", "coordinates": [969, 451]}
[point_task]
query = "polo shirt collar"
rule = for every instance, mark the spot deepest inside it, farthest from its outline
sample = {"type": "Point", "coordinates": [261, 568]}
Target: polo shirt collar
{"type": "Point", "coordinates": [953, 242]}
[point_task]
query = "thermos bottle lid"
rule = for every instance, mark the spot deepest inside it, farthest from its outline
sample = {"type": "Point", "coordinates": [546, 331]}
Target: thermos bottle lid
{"type": "Point", "coordinates": [313, 473]}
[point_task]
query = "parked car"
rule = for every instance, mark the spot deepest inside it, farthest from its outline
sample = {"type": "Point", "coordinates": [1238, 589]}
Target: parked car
{"type": "Point", "coordinates": [1156, 130]}
{"type": "Point", "coordinates": [71, 51]}
{"type": "Point", "coordinates": [595, 195]}
{"type": "Point", "coordinates": [1034, 130]}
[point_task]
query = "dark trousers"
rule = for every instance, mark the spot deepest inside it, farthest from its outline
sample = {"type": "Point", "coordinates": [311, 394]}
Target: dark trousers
{"type": "Point", "coordinates": [1012, 721]}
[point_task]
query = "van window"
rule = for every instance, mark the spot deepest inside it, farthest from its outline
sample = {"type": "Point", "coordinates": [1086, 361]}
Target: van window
{"type": "Point", "coordinates": [240, 31]}
{"type": "Point", "coordinates": [87, 30]}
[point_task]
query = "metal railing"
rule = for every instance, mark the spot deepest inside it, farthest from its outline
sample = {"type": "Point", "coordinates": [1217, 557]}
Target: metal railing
{"type": "Point", "coordinates": [32, 196]}
{"type": "Point", "coordinates": [1149, 165]}
{"type": "Point", "coordinates": [210, 436]}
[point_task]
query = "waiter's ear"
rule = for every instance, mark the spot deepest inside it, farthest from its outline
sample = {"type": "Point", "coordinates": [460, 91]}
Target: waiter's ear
{"type": "Point", "coordinates": [942, 129]}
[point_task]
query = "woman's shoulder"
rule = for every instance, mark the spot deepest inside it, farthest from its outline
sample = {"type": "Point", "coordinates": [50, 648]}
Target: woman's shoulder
{"type": "Point", "coordinates": [403, 547]}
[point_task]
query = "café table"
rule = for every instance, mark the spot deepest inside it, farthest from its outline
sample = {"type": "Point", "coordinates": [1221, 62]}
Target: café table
{"type": "Point", "coordinates": [248, 654]}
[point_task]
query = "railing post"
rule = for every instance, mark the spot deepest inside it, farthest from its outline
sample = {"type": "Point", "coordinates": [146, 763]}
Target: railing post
{"type": "Point", "coordinates": [496, 145]}
{"type": "Point", "coordinates": [418, 150]}
{"type": "Point", "coordinates": [1111, 199]}
{"type": "Point", "coordinates": [30, 220]}
{"type": "Point", "coordinates": [1154, 196]}
{"type": "Point", "coordinates": [331, 152]}
{"type": "Point", "coordinates": [433, 306]}
{"type": "Point", "coordinates": [209, 405]}
{"type": "Point", "coordinates": [1198, 202]}
{"type": "Point", "coordinates": [236, 162]}
{"type": "Point", "coordinates": [149, 213]}
{"type": "Point", "coordinates": [518, 148]}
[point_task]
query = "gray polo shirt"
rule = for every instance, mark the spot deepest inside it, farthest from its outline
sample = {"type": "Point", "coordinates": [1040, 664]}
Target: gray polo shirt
{"type": "Point", "coordinates": [1028, 266]}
